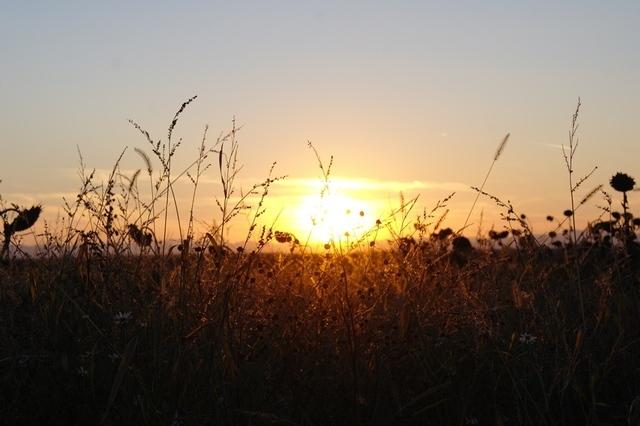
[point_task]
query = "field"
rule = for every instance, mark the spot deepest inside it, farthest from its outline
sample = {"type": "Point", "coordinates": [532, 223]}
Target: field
{"type": "Point", "coordinates": [110, 323]}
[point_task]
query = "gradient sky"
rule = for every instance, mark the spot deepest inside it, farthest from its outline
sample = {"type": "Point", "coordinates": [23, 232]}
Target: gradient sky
{"type": "Point", "coordinates": [411, 96]}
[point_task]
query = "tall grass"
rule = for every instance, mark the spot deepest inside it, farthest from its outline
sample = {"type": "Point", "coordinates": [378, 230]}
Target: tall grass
{"type": "Point", "coordinates": [113, 323]}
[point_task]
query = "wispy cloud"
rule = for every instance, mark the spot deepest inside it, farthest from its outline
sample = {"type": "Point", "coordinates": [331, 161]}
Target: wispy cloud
{"type": "Point", "coordinates": [295, 186]}
{"type": "Point", "coordinates": [99, 174]}
{"type": "Point", "coordinates": [371, 185]}
{"type": "Point", "coordinates": [553, 145]}
{"type": "Point", "coordinates": [49, 198]}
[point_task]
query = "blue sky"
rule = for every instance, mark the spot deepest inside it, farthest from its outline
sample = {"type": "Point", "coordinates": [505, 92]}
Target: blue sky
{"type": "Point", "coordinates": [398, 91]}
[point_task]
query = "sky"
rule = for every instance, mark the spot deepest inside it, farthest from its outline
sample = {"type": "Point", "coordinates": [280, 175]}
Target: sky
{"type": "Point", "coordinates": [408, 96]}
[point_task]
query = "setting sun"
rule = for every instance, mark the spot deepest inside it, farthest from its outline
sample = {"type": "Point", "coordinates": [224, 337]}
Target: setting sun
{"type": "Point", "coordinates": [334, 215]}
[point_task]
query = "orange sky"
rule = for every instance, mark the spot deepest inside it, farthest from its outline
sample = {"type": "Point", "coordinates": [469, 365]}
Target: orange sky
{"type": "Point", "coordinates": [412, 97]}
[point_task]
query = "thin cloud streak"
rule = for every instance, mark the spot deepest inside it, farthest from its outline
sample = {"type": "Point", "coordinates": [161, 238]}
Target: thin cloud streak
{"type": "Point", "coordinates": [38, 197]}
{"type": "Point", "coordinates": [554, 145]}
{"type": "Point", "coordinates": [338, 183]}
{"type": "Point", "coordinates": [371, 185]}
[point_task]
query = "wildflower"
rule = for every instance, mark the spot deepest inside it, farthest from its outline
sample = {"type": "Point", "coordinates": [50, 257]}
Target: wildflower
{"type": "Point", "coordinates": [82, 371]}
{"type": "Point", "coordinates": [622, 182]}
{"type": "Point", "coordinates": [552, 234]}
{"type": "Point", "coordinates": [550, 218]}
{"type": "Point", "coordinates": [26, 219]}
{"type": "Point", "coordinates": [445, 233]}
{"type": "Point", "coordinates": [283, 237]}
{"type": "Point", "coordinates": [498, 235]}
{"type": "Point", "coordinates": [143, 239]}
{"type": "Point", "coordinates": [461, 245]}
{"type": "Point", "coordinates": [603, 226]}
{"type": "Point", "coordinates": [527, 338]}
{"type": "Point", "coordinates": [177, 420]}
{"type": "Point", "coordinates": [568, 213]}
{"type": "Point", "coordinates": [114, 356]}
{"type": "Point", "coordinates": [122, 317]}
{"type": "Point", "coordinates": [87, 354]}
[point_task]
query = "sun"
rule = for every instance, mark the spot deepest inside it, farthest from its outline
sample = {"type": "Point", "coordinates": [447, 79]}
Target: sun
{"type": "Point", "coordinates": [333, 217]}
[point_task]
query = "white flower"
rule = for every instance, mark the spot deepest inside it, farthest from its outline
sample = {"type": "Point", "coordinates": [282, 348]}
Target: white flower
{"type": "Point", "coordinates": [122, 317]}
{"type": "Point", "coordinates": [527, 338]}
{"type": "Point", "coordinates": [176, 421]}
{"type": "Point", "coordinates": [114, 356]}
{"type": "Point", "coordinates": [82, 371]}
{"type": "Point", "coordinates": [87, 354]}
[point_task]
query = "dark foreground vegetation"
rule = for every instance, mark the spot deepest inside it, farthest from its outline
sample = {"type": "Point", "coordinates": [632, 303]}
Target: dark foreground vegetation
{"type": "Point", "coordinates": [108, 324]}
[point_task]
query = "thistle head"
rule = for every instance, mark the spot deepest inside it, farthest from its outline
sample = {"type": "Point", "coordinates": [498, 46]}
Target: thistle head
{"type": "Point", "coordinates": [26, 219]}
{"type": "Point", "coordinates": [622, 182]}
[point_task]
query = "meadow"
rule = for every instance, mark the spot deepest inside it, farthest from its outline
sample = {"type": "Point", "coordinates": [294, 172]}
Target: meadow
{"type": "Point", "coordinates": [106, 321]}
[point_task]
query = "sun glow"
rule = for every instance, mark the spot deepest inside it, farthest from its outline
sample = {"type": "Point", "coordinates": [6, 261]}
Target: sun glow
{"type": "Point", "coordinates": [334, 217]}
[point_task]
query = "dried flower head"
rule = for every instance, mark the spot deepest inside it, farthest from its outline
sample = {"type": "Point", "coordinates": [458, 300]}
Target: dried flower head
{"type": "Point", "coordinates": [527, 338]}
{"type": "Point", "coordinates": [142, 238]}
{"type": "Point", "coordinates": [283, 237]}
{"type": "Point", "coordinates": [461, 245]}
{"type": "Point", "coordinates": [494, 235]}
{"type": "Point", "coordinates": [122, 317]}
{"type": "Point", "coordinates": [622, 182]}
{"type": "Point", "coordinates": [25, 219]}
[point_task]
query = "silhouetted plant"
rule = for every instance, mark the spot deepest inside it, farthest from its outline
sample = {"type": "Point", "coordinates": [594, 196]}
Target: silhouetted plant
{"type": "Point", "coordinates": [496, 156]}
{"type": "Point", "coordinates": [23, 219]}
{"type": "Point", "coordinates": [624, 183]}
